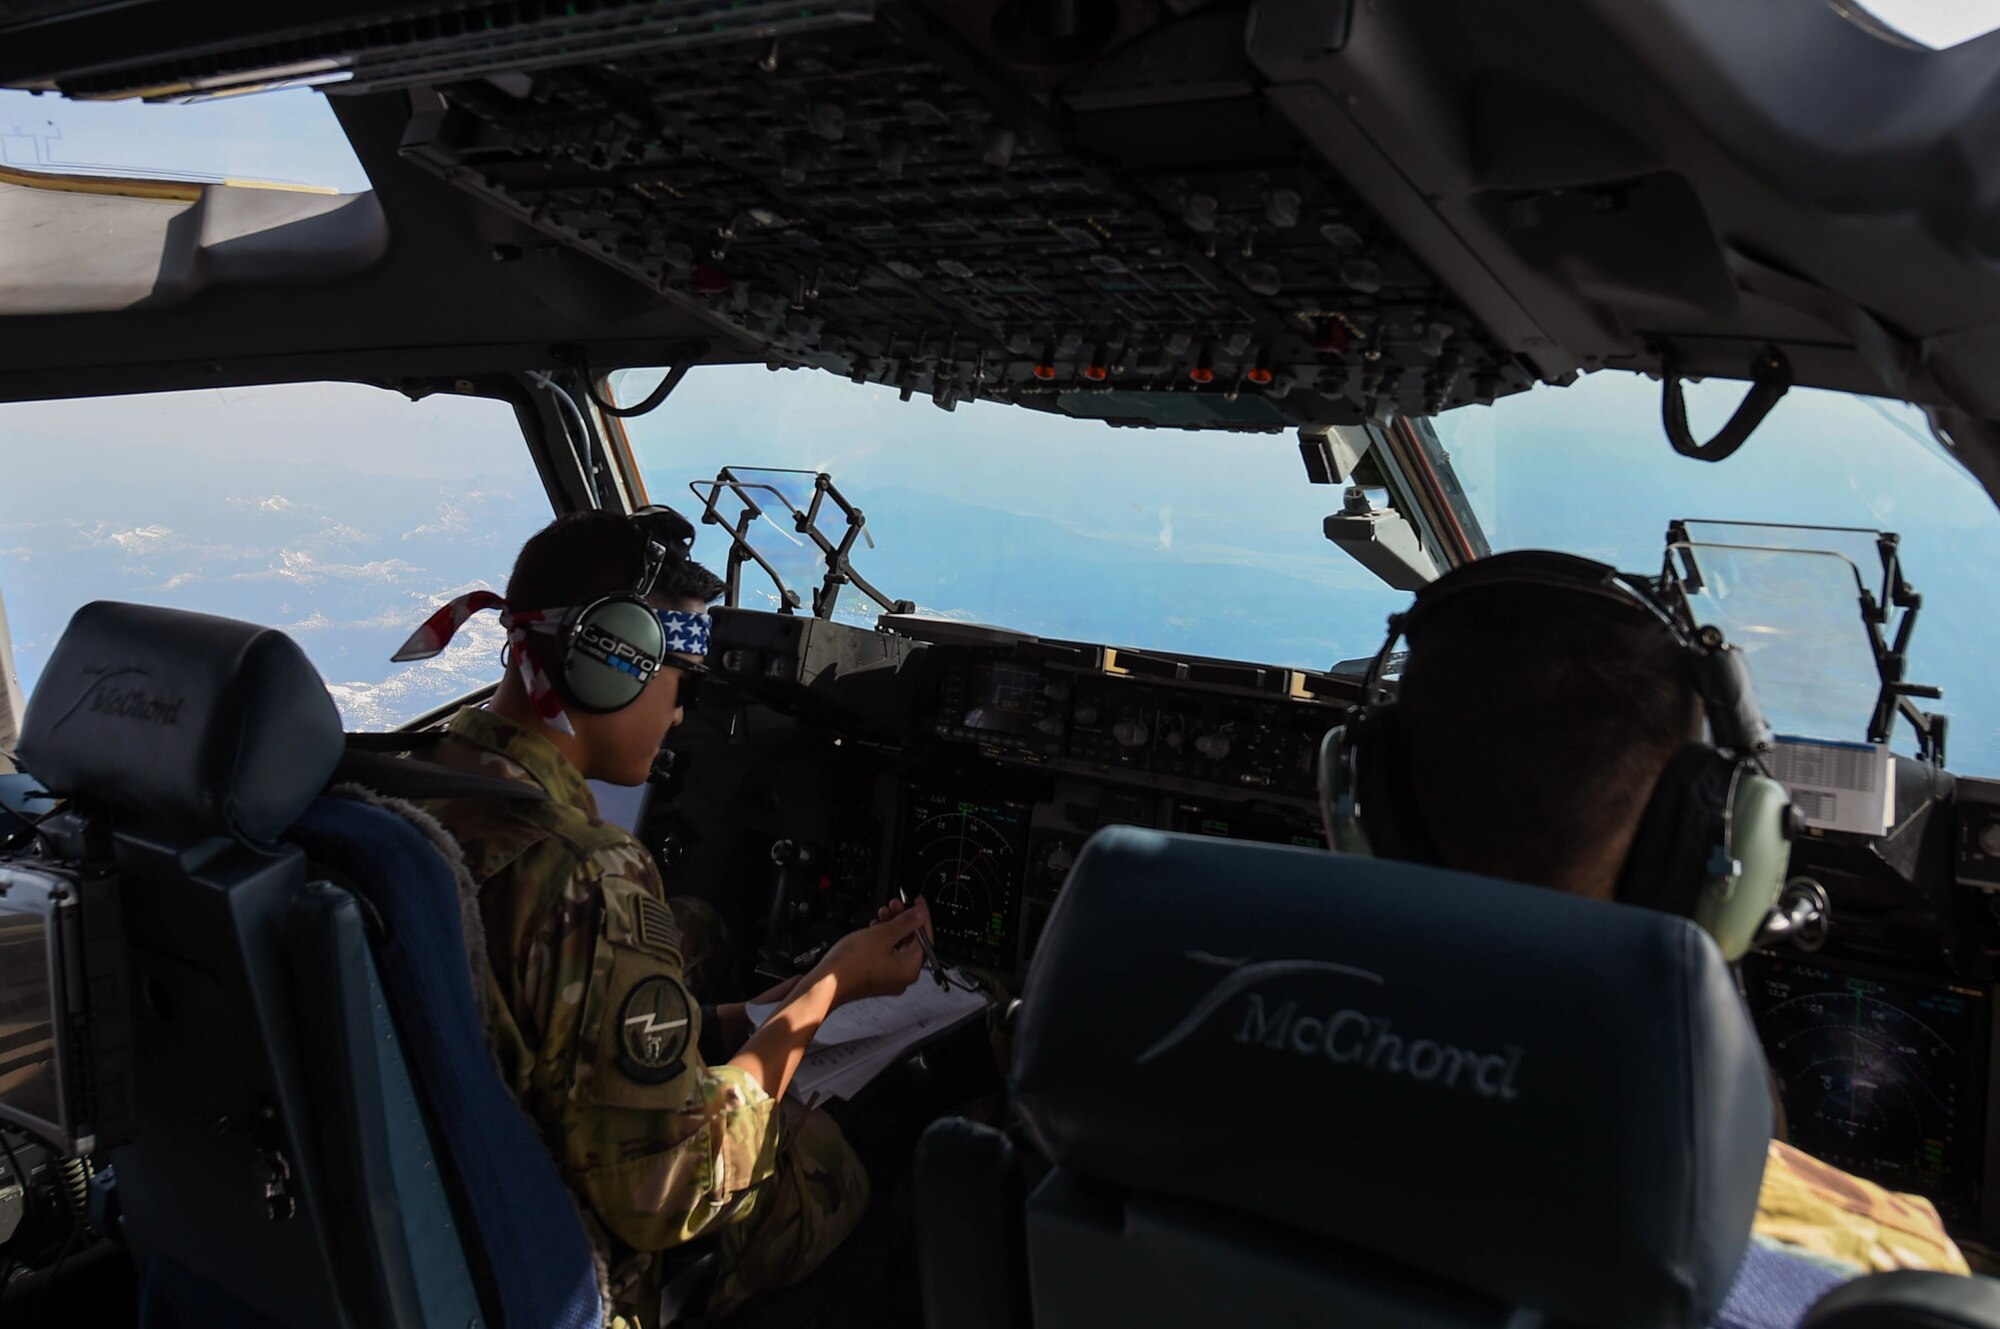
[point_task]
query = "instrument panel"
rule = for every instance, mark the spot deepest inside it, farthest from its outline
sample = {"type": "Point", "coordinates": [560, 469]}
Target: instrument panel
{"type": "Point", "coordinates": [977, 764]}
{"type": "Point", "coordinates": [1191, 726]}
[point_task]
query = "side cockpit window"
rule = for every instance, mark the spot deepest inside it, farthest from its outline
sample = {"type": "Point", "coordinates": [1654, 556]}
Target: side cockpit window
{"type": "Point", "coordinates": [340, 513]}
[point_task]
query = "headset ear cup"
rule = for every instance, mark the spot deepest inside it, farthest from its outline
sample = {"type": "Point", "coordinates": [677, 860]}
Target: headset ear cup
{"type": "Point", "coordinates": [1759, 848]}
{"type": "Point", "coordinates": [1707, 806]}
{"type": "Point", "coordinates": [610, 650]}
{"type": "Point", "coordinates": [1336, 794]}
{"type": "Point", "coordinates": [1667, 865]}
{"type": "Point", "coordinates": [1384, 790]}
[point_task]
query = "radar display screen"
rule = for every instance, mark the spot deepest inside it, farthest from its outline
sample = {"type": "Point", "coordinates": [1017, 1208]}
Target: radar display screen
{"type": "Point", "coordinates": [1006, 699]}
{"type": "Point", "coordinates": [965, 857]}
{"type": "Point", "coordinates": [1879, 1077]}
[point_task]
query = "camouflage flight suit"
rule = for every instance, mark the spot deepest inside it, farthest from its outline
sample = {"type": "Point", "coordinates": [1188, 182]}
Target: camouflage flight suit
{"type": "Point", "coordinates": [1824, 1215]}
{"type": "Point", "coordinates": [597, 1030]}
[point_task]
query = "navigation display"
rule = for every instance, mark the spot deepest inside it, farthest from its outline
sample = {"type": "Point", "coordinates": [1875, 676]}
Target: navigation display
{"type": "Point", "coordinates": [965, 857]}
{"type": "Point", "coordinates": [1879, 1076]}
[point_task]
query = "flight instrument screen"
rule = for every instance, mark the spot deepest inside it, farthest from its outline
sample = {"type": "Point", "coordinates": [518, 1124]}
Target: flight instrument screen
{"type": "Point", "coordinates": [1005, 698]}
{"type": "Point", "coordinates": [1880, 1077]}
{"type": "Point", "coordinates": [965, 857]}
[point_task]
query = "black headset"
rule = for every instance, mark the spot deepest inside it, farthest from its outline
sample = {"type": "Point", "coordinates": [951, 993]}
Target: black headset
{"type": "Point", "coordinates": [1717, 829]}
{"type": "Point", "coordinates": [608, 649]}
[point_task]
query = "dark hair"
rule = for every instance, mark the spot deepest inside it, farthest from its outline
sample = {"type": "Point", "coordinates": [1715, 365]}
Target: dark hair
{"type": "Point", "coordinates": [583, 555]}
{"type": "Point", "coordinates": [1538, 723]}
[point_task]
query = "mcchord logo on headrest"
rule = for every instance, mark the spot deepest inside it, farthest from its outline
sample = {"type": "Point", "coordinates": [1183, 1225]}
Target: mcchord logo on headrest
{"type": "Point", "coordinates": [609, 649]}
{"type": "Point", "coordinates": [128, 703]}
{"type": "Point", "coordinates": [1345, 1037]}
{"type": "Point", "coordinates": [132, 704]}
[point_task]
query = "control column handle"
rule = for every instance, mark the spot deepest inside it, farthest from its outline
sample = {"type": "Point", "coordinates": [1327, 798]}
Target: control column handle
{"type": "Point", "coordinates": [786, 855]}
{"type": "Point", "coordinates": [1802, 916]}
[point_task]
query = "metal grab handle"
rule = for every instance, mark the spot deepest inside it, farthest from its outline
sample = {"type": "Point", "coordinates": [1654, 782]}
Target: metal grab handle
{"type": "Point", "coordinates": [1771, 378]}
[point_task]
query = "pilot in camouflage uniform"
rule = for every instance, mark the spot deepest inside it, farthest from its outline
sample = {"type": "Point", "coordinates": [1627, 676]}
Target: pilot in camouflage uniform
{"type": "Point", "coordinates": [1848, 1224]}
{"type": "Point", "coordinates": [596, 1027]}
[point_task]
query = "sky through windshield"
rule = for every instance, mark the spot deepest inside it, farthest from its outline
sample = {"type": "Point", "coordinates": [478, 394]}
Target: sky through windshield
{"type": "Point", "coordinates": [1205, 543]}
{"type": "Point", "coordinates": [1587, 469]}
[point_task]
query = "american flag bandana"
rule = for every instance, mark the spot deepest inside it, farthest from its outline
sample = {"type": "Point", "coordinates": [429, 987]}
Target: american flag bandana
{"type": "Point", "coordinates": [686, 634]}
{"type": "Point", "coordinates": [437, 631]}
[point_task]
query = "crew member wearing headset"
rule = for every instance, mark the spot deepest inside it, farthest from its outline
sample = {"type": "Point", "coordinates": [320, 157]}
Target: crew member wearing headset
{"type": "Point", "coordinates": [1565, 725]}
{"type": "Point", "coordinates": [667, 1119]}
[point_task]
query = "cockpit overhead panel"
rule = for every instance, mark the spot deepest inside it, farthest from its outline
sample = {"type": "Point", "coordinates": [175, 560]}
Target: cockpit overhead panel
{"type": "Point", "coordinates": [866, 199]}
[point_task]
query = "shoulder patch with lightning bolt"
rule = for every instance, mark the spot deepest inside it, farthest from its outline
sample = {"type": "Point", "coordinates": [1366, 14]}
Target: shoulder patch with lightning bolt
{"type": "Point", "coordinates": [656, 1026]}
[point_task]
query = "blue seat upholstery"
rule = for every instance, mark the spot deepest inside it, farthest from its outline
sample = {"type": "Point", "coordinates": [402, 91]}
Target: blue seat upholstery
{"type": "Point", "coordinates": [323, 1140]}
{"type": "Point", "coordinates": [1774, 1290]}
{"type": "Point", "coordinates": [532, 1248]}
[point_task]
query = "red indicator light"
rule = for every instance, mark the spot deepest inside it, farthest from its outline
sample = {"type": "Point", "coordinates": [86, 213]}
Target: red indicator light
{"type": "Point", "coordinates": [1202, 374]}
{"type": "Point", "coordinates": [1260, 375]}
{"type": "Point", "coordinates": [1045, 372]}
{"type": "Point", "coordinates": [1096, 373]}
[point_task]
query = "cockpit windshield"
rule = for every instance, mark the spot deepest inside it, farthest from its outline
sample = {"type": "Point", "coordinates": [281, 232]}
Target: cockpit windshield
{"type": "Point", "coordinates": [1206, 543]}
{"type": "Point", "coordinates": [1585, 469]}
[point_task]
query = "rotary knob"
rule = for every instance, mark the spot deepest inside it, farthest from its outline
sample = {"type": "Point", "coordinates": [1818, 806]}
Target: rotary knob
{"type": "Point", "coordinates": [1131, 733]}
{"type": "Point", "coordinates": [1213, 746]}
{"type": "Point", "coordinates": [1989, 839]}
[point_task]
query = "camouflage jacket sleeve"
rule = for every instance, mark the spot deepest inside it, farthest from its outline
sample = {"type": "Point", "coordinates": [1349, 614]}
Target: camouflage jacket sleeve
{"type": "Point", "coordinates": [660, 1145]}
{"type": "Point", "coordinates": [1846, 1222]}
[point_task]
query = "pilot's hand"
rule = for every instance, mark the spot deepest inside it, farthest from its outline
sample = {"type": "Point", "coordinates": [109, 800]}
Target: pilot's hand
{"type": "Point", "coordinates": [890, 910]}
{"type": "Point", "coordinates": [895, 907]}
{"type": "Point", "coordinates": [881, 959]}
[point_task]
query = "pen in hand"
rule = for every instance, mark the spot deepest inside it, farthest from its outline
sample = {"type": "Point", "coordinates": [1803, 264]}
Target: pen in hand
{"type": "Point", "coordinates": [924, 941]}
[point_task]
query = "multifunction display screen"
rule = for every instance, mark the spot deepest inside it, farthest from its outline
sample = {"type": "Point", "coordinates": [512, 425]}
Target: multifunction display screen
{"type": "Point", "coordinates": [965, 857]}
{"type": "Point", "coordinates": [1005, 699]}
{"type": "Point", "coordinates": [1879, 1076]}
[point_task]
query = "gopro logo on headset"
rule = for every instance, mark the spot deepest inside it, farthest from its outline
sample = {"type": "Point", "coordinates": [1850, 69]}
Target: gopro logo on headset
{"type": "Point", "coordinates": [607, 648]}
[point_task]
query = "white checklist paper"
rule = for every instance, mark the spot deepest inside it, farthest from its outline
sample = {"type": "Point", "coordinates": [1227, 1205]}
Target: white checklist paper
{"type": "Point", "coordinates": [1838, 786]}
{"type": "Point", "coordinates": [863, 1038]}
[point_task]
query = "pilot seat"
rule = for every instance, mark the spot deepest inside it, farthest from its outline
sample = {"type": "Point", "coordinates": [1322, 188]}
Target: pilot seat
{"type": "Point", "coordinates": [1267, 1085]}
{"type": "Point", "coordinates": [323, 1139]}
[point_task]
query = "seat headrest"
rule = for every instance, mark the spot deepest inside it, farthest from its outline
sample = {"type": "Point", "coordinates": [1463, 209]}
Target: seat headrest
{"type": "Point", "coordinates": [1554, 1101]}
{"type": "Point", "coordinates": [219, 727]}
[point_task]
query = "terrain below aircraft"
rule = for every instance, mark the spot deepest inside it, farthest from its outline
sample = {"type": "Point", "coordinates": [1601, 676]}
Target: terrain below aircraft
{"type": "Point", "coordinates": [1129, 361]}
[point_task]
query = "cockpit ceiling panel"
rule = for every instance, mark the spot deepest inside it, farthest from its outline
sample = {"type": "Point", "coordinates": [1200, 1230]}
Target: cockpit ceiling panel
{"type": "Point", "coordinates": [1231, 213]}
{"type": "Point", "coordinates": [865, 206]}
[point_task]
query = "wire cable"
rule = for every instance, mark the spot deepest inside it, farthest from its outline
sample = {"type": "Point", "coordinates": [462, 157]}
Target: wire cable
{"type": "Point", "coordinates": [574, 416]}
